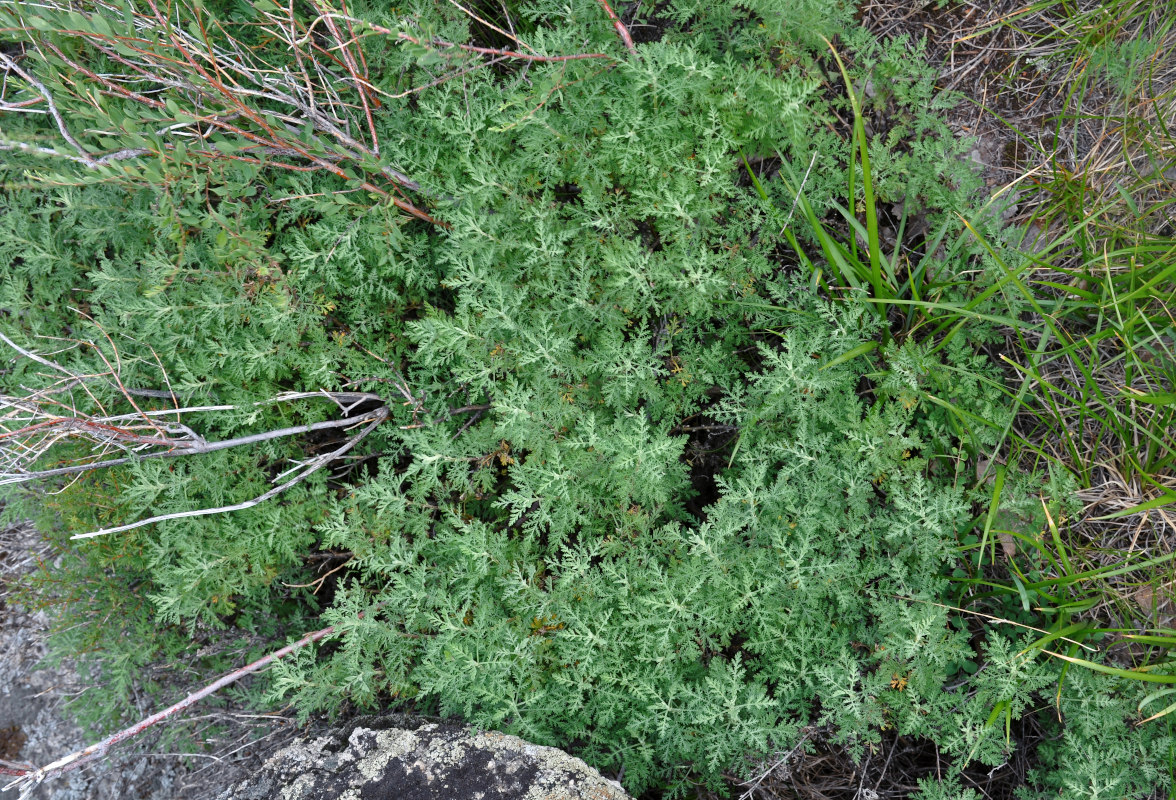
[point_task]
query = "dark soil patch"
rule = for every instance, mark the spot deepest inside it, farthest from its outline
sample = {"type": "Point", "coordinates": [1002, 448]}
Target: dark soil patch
{"type": "Point", "coordinates": [888, 770]}
{"type": "Point", "coordinates": [12, 741]}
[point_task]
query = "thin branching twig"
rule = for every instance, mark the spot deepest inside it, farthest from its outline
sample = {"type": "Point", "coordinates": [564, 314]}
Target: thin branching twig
{"type": "Point", "coordinates": [33, 425]}
{"type": "Point", "coordinates": [28, 779]}
{"type": "Point", "coordinates": [307, 469]}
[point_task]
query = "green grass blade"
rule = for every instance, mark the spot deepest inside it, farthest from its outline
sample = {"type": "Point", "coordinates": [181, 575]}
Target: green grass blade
{"type": "Point", "coordinates": [1129, 674]}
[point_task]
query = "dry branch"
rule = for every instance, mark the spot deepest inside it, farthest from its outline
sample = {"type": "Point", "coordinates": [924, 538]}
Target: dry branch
{"type": "Point", "coordinates": [29, 779]}
{"type": "Point", "coordinates": [33, 425]}
{"type": "Point", "coordinates": [307, 469]}
{"type": "Point", "coordinates": [11, 66]}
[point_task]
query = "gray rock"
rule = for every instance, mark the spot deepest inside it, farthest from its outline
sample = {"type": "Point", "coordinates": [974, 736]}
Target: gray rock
{"type": "Point", "coordinates": [401, 758]}
{"type": "Point", "coordinates": [35, 726]}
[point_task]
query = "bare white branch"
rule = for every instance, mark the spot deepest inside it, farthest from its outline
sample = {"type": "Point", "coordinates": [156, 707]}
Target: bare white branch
{"type": "Point", "coordinates": [10, 65]}
{"type": "Point", "coordinates": [314, 465]}
{"type": "Point", "coordinates": [29, 778]}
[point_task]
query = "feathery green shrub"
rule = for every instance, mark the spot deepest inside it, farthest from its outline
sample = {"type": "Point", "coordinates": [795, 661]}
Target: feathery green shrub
{"type": "Point", "coordinates": [661, 490]}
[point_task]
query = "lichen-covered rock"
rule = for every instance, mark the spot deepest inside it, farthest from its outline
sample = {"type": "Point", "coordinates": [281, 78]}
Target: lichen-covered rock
{"type": "Point", "coordinates": [401, 758]}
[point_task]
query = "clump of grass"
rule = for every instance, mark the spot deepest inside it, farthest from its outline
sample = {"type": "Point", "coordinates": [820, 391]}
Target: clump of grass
{"type": "Point", "coordinates": [1076, 99]}
{"type": "Point", "coordinates": [1097, 364]}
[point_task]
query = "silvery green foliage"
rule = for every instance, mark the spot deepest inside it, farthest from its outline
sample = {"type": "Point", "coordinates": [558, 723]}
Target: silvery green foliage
{"type": "Point", "coordinates": [684, 512]}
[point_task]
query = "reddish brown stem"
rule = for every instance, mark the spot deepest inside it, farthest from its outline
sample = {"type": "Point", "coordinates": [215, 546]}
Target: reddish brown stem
{"type": "Point", "coordinates": [274, 141]}
{"type": "Point", "coordinates": [622, 31]}
{"type": "Point", "coordinates": [75, 423]}
{"type": "Point", "coordinates": [349, 64]}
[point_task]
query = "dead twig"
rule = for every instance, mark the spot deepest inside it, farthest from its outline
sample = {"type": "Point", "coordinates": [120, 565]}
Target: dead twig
{"type": "Point", "coordinates": [308, 469]}
{"type": "Point", "coordinates": [29, 779]}
{"type": "Point", "coordinates": [33, 426]}
{"type": "Point", "coordinates": [194, 445]}
{"type": "Point", "coordinates": [10, 65]}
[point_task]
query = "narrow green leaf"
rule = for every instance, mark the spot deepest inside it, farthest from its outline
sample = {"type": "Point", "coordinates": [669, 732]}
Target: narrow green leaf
{"type": "Point", "coordinates": [852, 353]}
{"type": "Point", "coordinates": [1156, 502]}
{"type": "Point", "coordinates": [993, 508]}
{"type": "Point", "coordinates": [1129, 674]}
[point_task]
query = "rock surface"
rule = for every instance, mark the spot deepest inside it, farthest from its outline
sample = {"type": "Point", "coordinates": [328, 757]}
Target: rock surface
{"type": "Point", "coordinates": [35, 726]}
{"type": "Point", "coordinates": [402, 758]}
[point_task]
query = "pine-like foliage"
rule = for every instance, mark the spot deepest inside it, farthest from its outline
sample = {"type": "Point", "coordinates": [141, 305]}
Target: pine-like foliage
{"type": "Point", "coordinates": [649, 488]}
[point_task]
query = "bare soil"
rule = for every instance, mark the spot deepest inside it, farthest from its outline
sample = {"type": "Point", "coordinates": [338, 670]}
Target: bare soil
{"type": "Point", "coordinates": [37, 727]}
